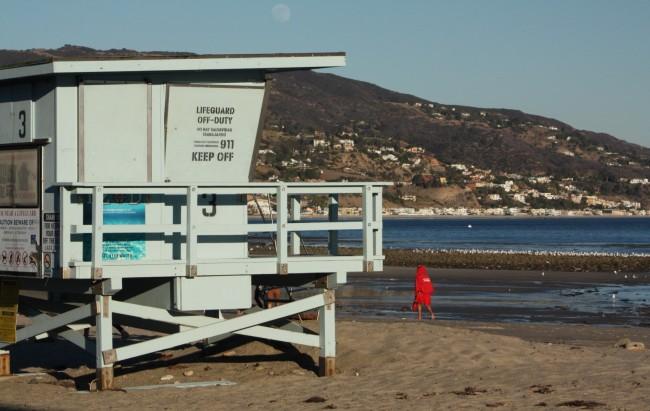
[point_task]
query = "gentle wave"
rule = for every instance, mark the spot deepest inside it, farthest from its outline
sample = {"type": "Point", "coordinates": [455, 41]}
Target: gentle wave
{"type": "Point", "coordinates": [525, 252]}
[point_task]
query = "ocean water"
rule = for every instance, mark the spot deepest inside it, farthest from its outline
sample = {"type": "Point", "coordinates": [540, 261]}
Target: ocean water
{"type": "Point", "coordinates": [628, 235]}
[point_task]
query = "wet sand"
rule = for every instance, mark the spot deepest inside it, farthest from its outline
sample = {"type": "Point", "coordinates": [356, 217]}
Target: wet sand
{"type": "Point", "coordinates": [506, 276]}
{"type": "Point", "coordinates": [504, 296]}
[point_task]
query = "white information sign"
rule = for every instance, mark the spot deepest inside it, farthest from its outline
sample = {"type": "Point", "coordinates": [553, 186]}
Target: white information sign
{"type": "Point", "coordinates": [19, 234]}
{"type": "Point", "coordinates": [211, 132]}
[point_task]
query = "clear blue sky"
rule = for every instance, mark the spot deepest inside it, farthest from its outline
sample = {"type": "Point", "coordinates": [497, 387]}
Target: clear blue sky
{"type": "Point", "coordinates": [585, 62]}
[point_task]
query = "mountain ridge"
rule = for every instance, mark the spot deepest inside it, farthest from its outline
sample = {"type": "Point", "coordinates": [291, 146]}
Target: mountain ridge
{"type": "Point", "coordinates": [418, 130]}
{"type": "Point", "coordinates": [466, 153]}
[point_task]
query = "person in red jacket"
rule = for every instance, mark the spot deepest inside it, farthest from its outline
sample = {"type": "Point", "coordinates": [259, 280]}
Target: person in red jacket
{"type": "Point", "coordinates": [423, 291]}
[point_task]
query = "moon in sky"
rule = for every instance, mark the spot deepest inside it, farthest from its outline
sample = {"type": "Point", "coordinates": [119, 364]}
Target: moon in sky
{"type": "Point", "coordinates": [281, 13]}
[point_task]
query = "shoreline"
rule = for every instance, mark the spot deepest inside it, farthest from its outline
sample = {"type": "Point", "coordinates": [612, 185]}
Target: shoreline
{"type": "Point", "coordinates": [508, 217]}
{"type": "Point", "coordinates": [505, 275]}
{"type": "Point", "coordinates": [469, 216]}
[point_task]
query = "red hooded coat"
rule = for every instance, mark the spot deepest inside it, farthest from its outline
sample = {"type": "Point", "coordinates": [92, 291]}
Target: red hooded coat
{"type": "Point", "coordinates": [423, 286]}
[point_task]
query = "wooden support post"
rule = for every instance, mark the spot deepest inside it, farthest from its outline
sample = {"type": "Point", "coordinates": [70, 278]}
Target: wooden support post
{"type": "Point", "coordinates": [281, 245]}
{"type": "Point", "coordinates": [378, 224]}
{"type": "Point", "coordinates": [97, 238]}
{"type": "Point", "coordinates": [5, 363]}
{"type": "Point", "coordinates": [104, 341]}
{"type": "Point", "coordinates": [327, 333]}
{"type": "Point", "coordinates": [191, 236]}
{"type": "Point", "coordinates": [294, 216]}
{"type": "Point", "coordinates": [368, 230]}
{"type": "Point", "coordinates": [333, 216]}
{"type": "Point", "coordinates": [326, 366]}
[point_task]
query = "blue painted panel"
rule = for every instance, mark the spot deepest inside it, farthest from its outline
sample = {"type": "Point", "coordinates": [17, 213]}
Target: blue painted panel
{"type": "Point", "coordinates": [125, 246]}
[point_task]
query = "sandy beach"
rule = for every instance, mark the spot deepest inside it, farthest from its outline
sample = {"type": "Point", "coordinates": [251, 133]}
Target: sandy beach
{"type": "Point", "coordinates": [382, 363]}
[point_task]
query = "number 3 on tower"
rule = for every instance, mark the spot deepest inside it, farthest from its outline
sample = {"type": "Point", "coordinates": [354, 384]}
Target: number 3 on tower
{"type": "Point", "coordinates": [22, 117]}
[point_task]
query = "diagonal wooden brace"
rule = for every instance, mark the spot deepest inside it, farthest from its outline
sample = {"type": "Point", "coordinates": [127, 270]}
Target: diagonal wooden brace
{"type": "Point", "coordinates": [53, 323]}
{"type": "Point", "coordinates": [216, 329]}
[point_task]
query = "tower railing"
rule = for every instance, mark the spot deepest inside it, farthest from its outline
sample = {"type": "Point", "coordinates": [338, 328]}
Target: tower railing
{"type": "Point", "coordinates": [82, 211]}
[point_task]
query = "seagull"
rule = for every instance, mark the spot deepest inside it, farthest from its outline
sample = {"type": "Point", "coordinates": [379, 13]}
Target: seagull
{"type": "Point", "coordinates": [469, 226]}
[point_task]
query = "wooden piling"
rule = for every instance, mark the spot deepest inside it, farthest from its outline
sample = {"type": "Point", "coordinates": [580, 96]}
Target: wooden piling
{"type": "Point", "coordinates": [105, 378]}
{"type": "Point", "coordinates": [326, 366]}
{"type": "Point", "coordinates": [5, 363]}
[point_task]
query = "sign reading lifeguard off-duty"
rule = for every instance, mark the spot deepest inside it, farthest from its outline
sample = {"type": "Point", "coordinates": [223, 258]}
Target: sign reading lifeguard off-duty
{"type": "Point", "coordinates": [124, 185]}
{"type": "Point", "coordinates": [217, 139]}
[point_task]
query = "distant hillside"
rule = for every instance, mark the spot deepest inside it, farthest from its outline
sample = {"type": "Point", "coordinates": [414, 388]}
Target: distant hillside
{"type": "Point", "coordinates": [326, 127]}
{"type": "Point", "coordinates": [497, 139]}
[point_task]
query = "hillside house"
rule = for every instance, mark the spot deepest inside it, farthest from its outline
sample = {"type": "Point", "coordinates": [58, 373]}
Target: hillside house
{"type": "Point", "coordinates": [576, 198]}
{"type": "Point", "coordinates": [347, 144]}
{"type": "Point", "coordinates": [509, 186]}
{"type": "Point", "coordinates": [321, 142]}
{"type": "Point", "coordinates": [550, 196]}
{"type": "Point", "coordinates": [642, 181]}
{"type": "Point", "coordinates": [520, 198]}
{"type": "Point", "coordinates": [255, 206]}
{"type": "Point", "coordinates": [631, 204]}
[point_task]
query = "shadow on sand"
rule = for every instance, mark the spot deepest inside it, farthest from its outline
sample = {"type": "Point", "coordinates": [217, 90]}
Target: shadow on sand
{"type": "Point", "coordinates": [57, 355]}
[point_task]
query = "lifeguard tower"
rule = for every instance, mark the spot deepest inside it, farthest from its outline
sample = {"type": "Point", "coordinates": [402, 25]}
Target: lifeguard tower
{"type": "Point", "coordinates": [123, 192]}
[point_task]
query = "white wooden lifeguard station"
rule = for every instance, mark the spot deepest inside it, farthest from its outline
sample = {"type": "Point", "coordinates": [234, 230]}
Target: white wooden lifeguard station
{"type": "Point", "coordinates": [123, 189]}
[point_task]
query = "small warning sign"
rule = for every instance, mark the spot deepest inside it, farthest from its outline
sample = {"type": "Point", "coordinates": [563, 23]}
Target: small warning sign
{"type": "Point", "coordinates": [51, 232]}
{"type": "Point", "coordinates": [8, 310]}
{"type": "Point", "coordinates": [47, 261]}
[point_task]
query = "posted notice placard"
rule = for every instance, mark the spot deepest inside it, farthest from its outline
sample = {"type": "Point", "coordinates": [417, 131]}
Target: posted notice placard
{"type": "Point", "coordinates": [210, 132]}
{"type": "Point", "coordinates": [130, 246]}
{"type": "Point", "coordinates": [19, 177]}
{"type": "Point", "coordinates": [19, 236]}
{"type": "Point", "coordinates": [8, 310]}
